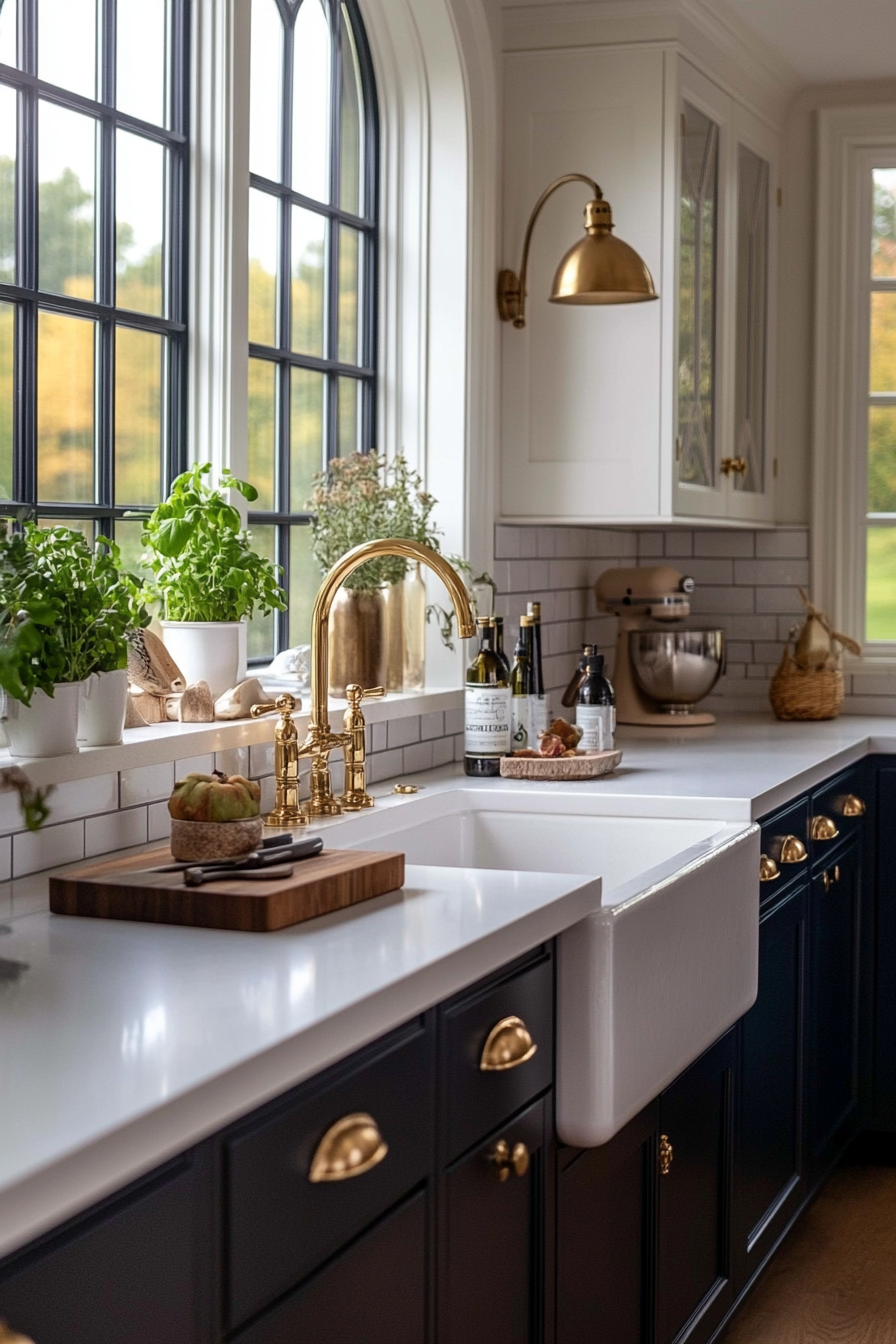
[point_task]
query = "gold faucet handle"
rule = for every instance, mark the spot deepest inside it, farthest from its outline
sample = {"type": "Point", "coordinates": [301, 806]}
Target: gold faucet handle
{"type": "Point", "coordinates": [285, 704]}
{"type": "Point", "coordinates": [354, 694]}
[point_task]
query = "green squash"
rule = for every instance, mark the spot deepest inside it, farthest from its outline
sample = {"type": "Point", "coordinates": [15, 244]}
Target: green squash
{"type": "Point", "coordinates": [216, 797]}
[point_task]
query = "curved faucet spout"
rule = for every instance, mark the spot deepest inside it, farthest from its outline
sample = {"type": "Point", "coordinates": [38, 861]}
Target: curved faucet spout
{"type": "Point", "coordinates": [371, 550]}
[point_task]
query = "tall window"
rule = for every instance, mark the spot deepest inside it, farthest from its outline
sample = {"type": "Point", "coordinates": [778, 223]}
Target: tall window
{"type": "Point", "coordinates": [93, 164]}
{"type": "Point", "coordinates": [312, 276]}
{"type": "Point", "coordinates": [880, 579]}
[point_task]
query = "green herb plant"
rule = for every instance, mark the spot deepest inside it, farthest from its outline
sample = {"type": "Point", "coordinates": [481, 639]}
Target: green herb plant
{"type": "Point", "coordinates": [201, 557]}
{"type": "Point", "coordinates": [65, 609]}
{"type": "Point", "coordinates": [363, 498]}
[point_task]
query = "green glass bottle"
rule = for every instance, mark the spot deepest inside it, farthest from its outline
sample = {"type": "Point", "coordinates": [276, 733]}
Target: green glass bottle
{"type": "Point", "coordinates": [523, 736]}
{"type": "Point", "coordinates": [486, 707]}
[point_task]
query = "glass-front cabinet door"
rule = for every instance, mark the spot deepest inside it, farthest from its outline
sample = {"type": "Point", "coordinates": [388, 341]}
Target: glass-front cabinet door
{"type": "Point", "coordinates": [698, 254]}
{"type": "Point", "coordinates": [751, 340]}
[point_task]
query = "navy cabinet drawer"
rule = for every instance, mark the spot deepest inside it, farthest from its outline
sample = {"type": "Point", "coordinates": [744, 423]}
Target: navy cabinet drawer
{"type": "Point", "coordinates": [779, 832]}
{"type": "Point", "coordinates": [478, 1100]}
{"type": "Point", "coordinates": [281, 1225]}
{"type": "Point", "coordinates": [837, 811]}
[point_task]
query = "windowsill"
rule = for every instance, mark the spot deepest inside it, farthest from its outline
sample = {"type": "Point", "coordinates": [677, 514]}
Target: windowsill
{"type": "Point", "coordinates": [164, 742]}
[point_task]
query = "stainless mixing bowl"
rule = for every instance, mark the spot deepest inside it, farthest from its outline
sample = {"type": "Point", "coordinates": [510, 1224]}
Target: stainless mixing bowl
{"type": "Point", "coordinates": [676, 668]}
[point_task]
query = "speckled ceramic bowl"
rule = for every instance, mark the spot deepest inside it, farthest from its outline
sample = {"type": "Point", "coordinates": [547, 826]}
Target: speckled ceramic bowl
{"type": "Point", "coordinates": [206, 841]}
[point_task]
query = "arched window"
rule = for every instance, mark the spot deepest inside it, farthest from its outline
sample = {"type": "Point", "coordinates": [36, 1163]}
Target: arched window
{"type": "Point", "coordinates": [93, 235]}
{"type": "Point", "coordinates": [312, 276]}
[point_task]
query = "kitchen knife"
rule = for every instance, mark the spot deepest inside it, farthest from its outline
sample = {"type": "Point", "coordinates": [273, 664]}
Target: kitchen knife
{"type": "Point", "coordinates": [284, 850]}
{"type": "Point", "coordinates": [194, 877]}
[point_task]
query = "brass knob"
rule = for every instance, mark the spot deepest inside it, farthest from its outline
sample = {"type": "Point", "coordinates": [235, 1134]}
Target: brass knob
{"type": "Point", "coordinates": [830, 878]}
{"type": "Point", "coordinates": [737, 466]}
{"type": "Point", "coordinates": [665, 1155]}
{"type": "Point", "coordinates": [349, 1148]}
{"type": "Point", "coordinates": [768, 869]}
{"type": "Point", "coordinates": [8, 1336]}
{"type": "Point", "coordinates": [823, 828]}
{"type": "Point", "coordinates": [504, 1158]}
{"type": "Point", "coordinates": [507, 1045]}
{"type": "Point", "coordinates": [853, 806]}
{"type": "Point", "coordinates": [792, 850]}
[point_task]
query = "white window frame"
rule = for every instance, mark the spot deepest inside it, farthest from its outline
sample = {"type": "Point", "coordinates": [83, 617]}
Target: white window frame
{"type": "Point", "coordinates": [850, 142]}
{"type": "Point", "coordinates": [437, 340]}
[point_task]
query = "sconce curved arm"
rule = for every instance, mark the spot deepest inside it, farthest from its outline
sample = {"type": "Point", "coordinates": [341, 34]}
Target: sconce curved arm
{"type": "Point", "coordinates": [512, 287]}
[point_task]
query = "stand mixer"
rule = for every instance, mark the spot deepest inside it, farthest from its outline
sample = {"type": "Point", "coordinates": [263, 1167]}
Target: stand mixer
{"type": "Point", "coordinates": [659, 673]}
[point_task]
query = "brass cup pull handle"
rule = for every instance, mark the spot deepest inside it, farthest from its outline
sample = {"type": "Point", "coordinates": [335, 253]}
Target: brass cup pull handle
{"type": "Point", "coordinates": [768, 869]}
{"type": "Point", "coordinates": [505, 1159]}
{"type": "Point", "coordinates": [9, 1336]}
{"type": "Point", "coordinates": [507, 1045]}
{"type": "Point", "coordinates": [829, 878]}
{"type": "Point", "coordinates": [792, 850]}
{"type": "Point", "coordinates": [822, 828]}
{"type": "Point", "coordinates": [349, 1148]}
{"type": "Point", "coordinates": [853, 806]}
{"type": "Point", "coordinates": [665, 1155]}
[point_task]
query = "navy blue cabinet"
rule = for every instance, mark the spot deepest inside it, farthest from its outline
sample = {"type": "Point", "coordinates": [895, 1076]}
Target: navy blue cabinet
{"type": "Point", "coordinates": [883, 1116]}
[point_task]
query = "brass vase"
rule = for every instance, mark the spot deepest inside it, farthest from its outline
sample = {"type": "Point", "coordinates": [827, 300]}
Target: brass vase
{"type": "Point", "coordinates": [357, 639]}
{"type": "Point", "coordinates": [405, 607]}
{"type": "Point", "coordinates": [393, 611]}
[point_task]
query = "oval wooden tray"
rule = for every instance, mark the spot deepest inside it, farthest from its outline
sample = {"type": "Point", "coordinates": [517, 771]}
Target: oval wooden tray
{"type": "Point", "coordinates": [585, 765]}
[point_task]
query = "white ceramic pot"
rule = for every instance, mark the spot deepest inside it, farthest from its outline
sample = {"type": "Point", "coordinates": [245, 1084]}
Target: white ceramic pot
{"type": "Point", "coordinates": [104, 702]}
{"type": "Point", "coordinates": [46, 727]}
{"type": "Point", "coordinates": [207, 651]}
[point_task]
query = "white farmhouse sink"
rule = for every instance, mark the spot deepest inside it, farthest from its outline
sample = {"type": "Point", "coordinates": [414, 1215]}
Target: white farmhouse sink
{"type": "Point", "coordinates": [647, 982]}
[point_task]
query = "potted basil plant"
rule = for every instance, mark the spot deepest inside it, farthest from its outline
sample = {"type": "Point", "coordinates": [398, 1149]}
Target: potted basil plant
{"type": "Point", "coordinates": [64, 611]}
{"type": "Point", "coordinates": [206, 577]}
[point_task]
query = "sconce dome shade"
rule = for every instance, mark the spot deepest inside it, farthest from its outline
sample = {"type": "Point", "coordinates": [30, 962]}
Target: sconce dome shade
{"type": "Point", "coordinates": [602, 269]}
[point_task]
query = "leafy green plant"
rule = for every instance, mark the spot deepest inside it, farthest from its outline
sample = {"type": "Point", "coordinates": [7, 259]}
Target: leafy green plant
{"type": "Point", "coordinates": [65, 609]}
{"type": "Point", "coordinates": [201, 557]}
{"type": "Point", "coordinates": [362, 498]}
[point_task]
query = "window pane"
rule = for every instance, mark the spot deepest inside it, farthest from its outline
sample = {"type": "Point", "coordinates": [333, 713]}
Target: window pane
{"type": "Point", "coordinates": [8, 126]}
{"type": "Point", "coordinates": [752, 276]}
{"type": "Point", "coordinates": [8, 26]}
{"type": "Point", "coordinates": [261, 628]}
{"type": "Point", "coordinates": [83, 525]}
{"type": "Point", "coordinates": [883, 228]}
{"type": "Point", "coordinates": [128, 533]}
{"type": "Point", "coordinates": [883, 343]}
{"type": "Point", "coordinates": [139, 362]}
{"type": "Point", "coordinates": [262, 430]}
{"type": "Point", "coordinates": [264, 215]}
{"type": "Point", "coordinates": [308, 246]}
{"type": "Point", "coordinates": [304, 581]}
{"type": "Point", "coordinates": [67, 185]}
{"type": "Point", "coordinates": [696, 296]}
{"type": "Point", "coordinates": [882, 459]}
{"type": "Point", "coordinates": [265, 88]}
{"type": "Point", "coordinates": [140, 166]}
{"type": "Point", "coordinates": [880, 609]}
{"type": "Point", "coordinates": [350, 260]}
{"type": "Point", "coordinates": [65, 408]}
{"type": "Point", "coordinates": [306, 430]}
{"type": "Point", "coordinates": [141, 42]}
{"type": "Point", "coordinates": [349, 416]}
{"type": "Point", "coordinates": [351, 187]}
{"type": "Point", "coordinates": [7, 401]}
{"type": "Point", "coordinates": [311, 103]}
{"type": "Point", "coordinates": [66, 44]}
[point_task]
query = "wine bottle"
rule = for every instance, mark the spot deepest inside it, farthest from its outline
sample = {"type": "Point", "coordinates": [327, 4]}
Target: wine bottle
{"type": "Point", "coordinates": [522, 736]}
{"type": "Point", "coordinates": [596, 708]}
{"type": "Point", "coordinates": [499, 643]}
{"type": "Point", "coordinates": [540, 706]}
{"type": "Point", "coordinates": [486, 706]}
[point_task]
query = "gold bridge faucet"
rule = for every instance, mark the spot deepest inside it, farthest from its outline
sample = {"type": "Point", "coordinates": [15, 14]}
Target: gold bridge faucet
{"type": "Point", "coordinates": [320, 740]}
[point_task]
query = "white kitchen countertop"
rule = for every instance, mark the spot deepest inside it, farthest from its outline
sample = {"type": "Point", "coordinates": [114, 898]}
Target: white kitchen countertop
{"type": "Point", "coordinates": [121, 1044]}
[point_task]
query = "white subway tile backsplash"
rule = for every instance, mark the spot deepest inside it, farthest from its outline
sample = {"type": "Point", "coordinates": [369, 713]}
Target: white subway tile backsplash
{"type": "Point", "coordinates": [547, 542]}
{"type": "Point", "coordinates": [268, 788]}
{"type": "Point", "coordinates": [379, 737]}
{"type": "Point", "coordinates": [261, 759]}
{"type": "Point", "coordinates": [194, 765]}
{"type": "Point", "coordinates": [158, 821]}
{"type": "Point", "coordinates": [116, 830]}
{"type": "Point", "coordinates": [710, 601]}
{"type": "Point", "coordinates": [442, 751]}
{"type": "Point", "coordinates": [750, 627]}
{"type": "Point", "coordinates": [83, 798]}
{"type": "Point", "coordinates": [385, 765]}
{"type": "Point", "coordinates": [233, 761]}
{"type": "Point", "coordinates": [47, 848]}
{"type": "Point", "coordinates": [528, 542]}
{"type": "Point", "coordinates": [418, 757]}
{"type": "Point", "coordinates": [507, 542]}
{"type": "Point", "coordinates": [732, 545]}
{"type": "Point", "coordinates": [781, 573]}
{"type": "Point", "coordinates": [785, 600]}
{"type": "Point", "coordinates": [5, 859]}
{"type": "Point", "coordinates": [454, 722]}
{"type": "Point", "coordinates": [432, 725]}
{"type": "Point", "coordinates": [146, 784]}
{"type": "Point", "coordinates": [783, 545]}
{"type": "Point", "coordinates": [717, 572]}
{"type": "Point", "coordinates": [403, 731]}
{"type": "Point", "coordinates": [679, 545]}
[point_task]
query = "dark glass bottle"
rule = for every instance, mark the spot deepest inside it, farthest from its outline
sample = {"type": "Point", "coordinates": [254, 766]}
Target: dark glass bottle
{"type": "Point", "coordinates": [499, 642]}
{"type": "Point", "coordinates": [540, 707]}
{"type": "Point", "coordinates": [522, 734]}
{"type": "Point", "coordinates": [596, 708]}
{"type": "Point", "coordinates": [568, 699]}
{"type": "Point", "coordinates": [486, 706]}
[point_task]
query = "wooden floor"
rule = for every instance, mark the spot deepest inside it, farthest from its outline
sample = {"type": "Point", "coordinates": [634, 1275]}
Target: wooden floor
{"type": "Point", "coordinates": [834, 1280]}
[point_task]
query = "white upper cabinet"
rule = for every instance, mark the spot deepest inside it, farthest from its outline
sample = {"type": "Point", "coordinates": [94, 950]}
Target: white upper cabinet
{"type": "Point", "coordinates": [657, 411]}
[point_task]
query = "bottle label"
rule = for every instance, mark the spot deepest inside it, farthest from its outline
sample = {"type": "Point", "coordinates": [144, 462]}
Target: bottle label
{"type": "Point", "coordinates": [487, 720]}
{"type": "Point", "coordinates": [597, 723]}
{"type": "Point", "coordinates": [523, 733]}
{"type": "Point", "coordinates": [539, 718]}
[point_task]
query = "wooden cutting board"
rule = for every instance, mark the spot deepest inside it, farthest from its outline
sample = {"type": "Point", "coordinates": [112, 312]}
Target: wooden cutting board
{"type": "Point", "coordinates": [122, 889]}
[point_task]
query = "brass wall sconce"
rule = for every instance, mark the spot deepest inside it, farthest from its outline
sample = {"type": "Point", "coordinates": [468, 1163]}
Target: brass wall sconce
{"type": "Point", "coordinates": [597, 269]}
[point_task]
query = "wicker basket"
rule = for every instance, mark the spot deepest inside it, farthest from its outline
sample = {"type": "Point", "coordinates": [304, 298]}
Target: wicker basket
{"type": "Point", "coordinates": [806, 693]}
